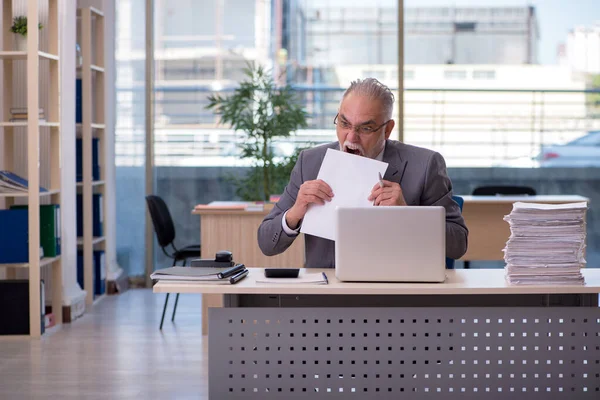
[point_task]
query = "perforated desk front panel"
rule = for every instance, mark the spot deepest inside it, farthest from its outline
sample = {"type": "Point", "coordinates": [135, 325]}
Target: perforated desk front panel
{"type": "Point", "coordinates": [392, 353]}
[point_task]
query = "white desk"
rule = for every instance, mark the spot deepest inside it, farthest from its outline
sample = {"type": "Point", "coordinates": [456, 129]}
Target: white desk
{"type": "Point", "coordinates": [385, 340]}
{"type": "Point", "coordinates": [458, 282]}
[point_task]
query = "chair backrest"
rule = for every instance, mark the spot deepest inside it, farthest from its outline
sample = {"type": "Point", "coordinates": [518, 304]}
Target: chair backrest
{"type": "Point", "coordinates": [503, 190]}
{"type": "Point", "coordinates": [460, 201]}
{"type": "Point", "coordinates": [161, 219]}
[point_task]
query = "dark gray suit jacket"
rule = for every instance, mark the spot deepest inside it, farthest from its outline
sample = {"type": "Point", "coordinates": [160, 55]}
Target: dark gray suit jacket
{"type": "Point", "coordinates": [421, 174]}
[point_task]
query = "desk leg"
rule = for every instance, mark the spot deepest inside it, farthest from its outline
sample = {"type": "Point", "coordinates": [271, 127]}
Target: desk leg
{"type": "Point", "coordinates": [209, 300]}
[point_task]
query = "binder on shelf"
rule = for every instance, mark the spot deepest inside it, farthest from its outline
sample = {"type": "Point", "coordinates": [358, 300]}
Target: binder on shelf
{"type": "Point", "coordinates": [14, 236]}
{"type": "Point", "coordinates": [99, 272]}
{"type": "Point", "coordinates": [97, 218]}
{"type": "Point", "coordinates": [79, 159]}
{"type": "Point", "coordinates": [49, 228]}
{"type": "Point", "coordinates": [14, 307]}
{"type": "Point", "coordinates": [98, 275]}
{"type": "Point", "coordinates": [78, 102]}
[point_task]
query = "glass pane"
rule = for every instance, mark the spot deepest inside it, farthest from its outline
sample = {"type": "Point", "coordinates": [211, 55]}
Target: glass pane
{"type": "Point", "coordinates": [331, 44]}
{"type": "Point", "coordinates": [130, 130]}
{"type": "Point", "coordinates": [509, 95]}
{"type": "Point", "coordinates": [202, 48]}
{"type": "Point", "coordinates": [502, 85]}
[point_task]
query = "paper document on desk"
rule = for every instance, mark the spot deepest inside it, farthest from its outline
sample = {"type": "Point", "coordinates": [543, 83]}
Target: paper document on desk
{"type": "Point", "coordinates": [546, 245]}
{"type": "Point", "coordinates": [304, 277]}
{"type": "Point", "coordinates": [351, 179]}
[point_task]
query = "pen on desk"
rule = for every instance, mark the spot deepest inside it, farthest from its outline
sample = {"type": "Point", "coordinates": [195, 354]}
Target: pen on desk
{"type": "Point", "coordinates": [325, 277]}
{"type": "Point", "coordinates": [231, 271]}
{"type": "Point", "coordinates": [238, 277]}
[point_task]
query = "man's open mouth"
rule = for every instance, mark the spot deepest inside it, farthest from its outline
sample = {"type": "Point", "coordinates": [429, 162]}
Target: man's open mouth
{"type": "Point", "coordinates": [352, 151]}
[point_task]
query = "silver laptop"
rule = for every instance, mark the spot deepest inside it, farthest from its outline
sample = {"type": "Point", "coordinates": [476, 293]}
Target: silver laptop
{"type": "Point", "coordinates": [391, 244]}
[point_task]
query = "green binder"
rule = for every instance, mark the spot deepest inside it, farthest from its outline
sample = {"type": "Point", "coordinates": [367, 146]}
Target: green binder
{"type": "Point", "coordinates": [49, 228]}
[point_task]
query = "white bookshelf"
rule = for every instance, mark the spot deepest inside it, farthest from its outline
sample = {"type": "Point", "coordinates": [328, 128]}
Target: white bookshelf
{"type": "Point", "coordinates": [93, 88]}
{"type": "Point", "coordinates": [34, 129]}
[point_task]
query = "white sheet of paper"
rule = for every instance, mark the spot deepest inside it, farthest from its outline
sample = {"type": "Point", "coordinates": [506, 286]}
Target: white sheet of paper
{"type": "Point", "coordinates": [351, 178]}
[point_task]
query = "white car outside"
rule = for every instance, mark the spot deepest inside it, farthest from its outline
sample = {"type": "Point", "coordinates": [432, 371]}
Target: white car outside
{"type": "Point", "coordinates": [581, 152]}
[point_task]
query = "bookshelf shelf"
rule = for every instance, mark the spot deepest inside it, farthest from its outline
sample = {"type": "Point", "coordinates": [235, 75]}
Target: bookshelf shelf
{"type": "Point", "coordinates": [26, 194]}
{"type": "Point", "coordinates": [44, 262]}
{"type": "Point", "coordinates": [33, 85]}
{"type": "Point", "coordinates": [97, 68]}
{"type": "Point", "coordinates": [96, 240]}
{"type": "Point", "coordinates": [96, 12]}
{"type": "Point", "coordinates": [23, 55]}
{"type": "Point", "coordinates": [94, 184]}
{"type": "Point", "coordinates": [92, 129]}
{"type": "Point", "coordinates": [94, 126]}
{"type": "Point", "coordinates": [25, 124]}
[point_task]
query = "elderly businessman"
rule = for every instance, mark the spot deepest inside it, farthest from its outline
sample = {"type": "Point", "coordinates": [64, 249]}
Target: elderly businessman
{"type": "Point", "coordinates": [415, 176]}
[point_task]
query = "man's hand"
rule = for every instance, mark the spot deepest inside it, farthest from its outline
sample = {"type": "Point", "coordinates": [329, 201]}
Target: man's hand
{"type": "Point", "coordinates": [311, 192]}
{"type": "Point", "coordinates": [389, 195]}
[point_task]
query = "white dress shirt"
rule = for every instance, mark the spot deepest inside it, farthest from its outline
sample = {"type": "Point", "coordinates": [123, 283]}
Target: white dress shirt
{"type": "Point", "coordinates": [295, 232]}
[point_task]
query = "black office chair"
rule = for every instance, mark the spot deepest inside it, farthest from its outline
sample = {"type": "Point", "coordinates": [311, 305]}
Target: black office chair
{"type": "Point", "coordinates": [501, 190]}
{"type": "Point", "coordinates": [165, 233]}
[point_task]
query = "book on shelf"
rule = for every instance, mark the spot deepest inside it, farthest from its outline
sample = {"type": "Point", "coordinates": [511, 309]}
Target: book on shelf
{"type": "Point", "coordinates": [23, 110]}
{"type": "Point", "coordinates": [21, 115]}
{"type": "Point", "coordinates": [24, 115]}
{"type": "Point", "coordinates": [11, 182]}
{"type": "Point", "coordinates": [25, 120]}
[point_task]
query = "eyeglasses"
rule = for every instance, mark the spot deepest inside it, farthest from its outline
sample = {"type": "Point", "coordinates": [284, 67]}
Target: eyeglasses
{"type": "Point", "coordinates": [363, 130]}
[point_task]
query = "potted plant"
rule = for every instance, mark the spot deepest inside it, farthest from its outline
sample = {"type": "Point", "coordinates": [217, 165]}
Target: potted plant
{"type": "Point", "coordinates": [19, 27]}
{"type": "Point", "coordinates": [266, 114]}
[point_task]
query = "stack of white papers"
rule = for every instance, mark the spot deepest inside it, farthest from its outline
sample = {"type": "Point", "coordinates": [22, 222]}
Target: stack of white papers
{"type": "Point", "coordinates": [546, 244]}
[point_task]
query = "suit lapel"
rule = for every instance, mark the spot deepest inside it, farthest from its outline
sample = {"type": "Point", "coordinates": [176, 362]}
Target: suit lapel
{"type": "Point", "coordinates": [396, 167]}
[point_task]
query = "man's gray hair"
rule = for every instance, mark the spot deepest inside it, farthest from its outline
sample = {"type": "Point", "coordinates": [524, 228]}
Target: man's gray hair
{"type": "Point", "coordinates": [373, 89]}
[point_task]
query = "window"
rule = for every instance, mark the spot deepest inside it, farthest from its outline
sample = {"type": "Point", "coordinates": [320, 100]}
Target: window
{"type": "Point", "coordinates": [484, 74]}
{"type": "Point", "coordinates": [455, 74]}
{"type": "Point", "coordinates": [465, 26]}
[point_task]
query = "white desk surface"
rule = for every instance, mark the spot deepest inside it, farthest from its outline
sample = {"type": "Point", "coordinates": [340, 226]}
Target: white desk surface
{"type": "Point", "coordinates": [476, 281]}
{"type": "Point", "coordinates": [528, 199]}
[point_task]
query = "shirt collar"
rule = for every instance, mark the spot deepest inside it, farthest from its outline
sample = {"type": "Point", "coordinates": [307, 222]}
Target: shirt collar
{"type": "Point", "coordinates": [380, 155]}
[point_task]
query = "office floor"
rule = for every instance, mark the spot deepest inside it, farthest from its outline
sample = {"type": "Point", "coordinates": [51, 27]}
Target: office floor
{"type": "Point", "coordinates": [115, 351]}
